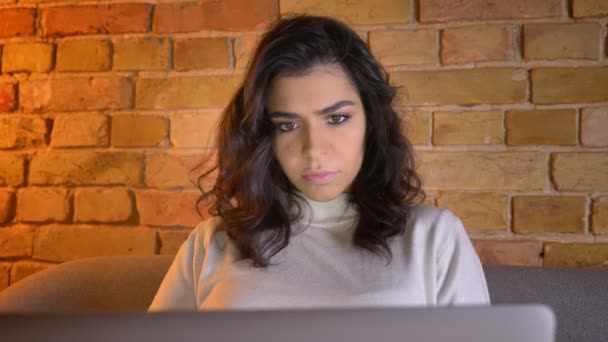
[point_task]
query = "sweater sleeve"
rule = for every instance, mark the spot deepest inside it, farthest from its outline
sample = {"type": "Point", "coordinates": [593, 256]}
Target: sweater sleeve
{"type": "Point", "coordinates": [177, 290]}
{"type": "Point", "coordinates": [460, 277]}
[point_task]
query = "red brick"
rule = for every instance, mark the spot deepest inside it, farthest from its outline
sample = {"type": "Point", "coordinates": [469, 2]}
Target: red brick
{"type": "Point", "coordinates": [576, 255]}
{"type": "Point", "coordinates": [16, 241]}
{"type": "Point", "coordinates": [388, 46]}
{"type": "Point", "coordinates": [86, 168]}
{"type": "Point", "coordinates": [467, 128]}
{"type": "Point", "coordinates": [163, 208]}
{"type": "Point", "coordinates": [69, 242]}
{"type": "Point", "coordinates": [24, 269]}
{"type": "Point", "coordinates": [194, 129]}
{"type": "Point", "coordinates": [22, 131]}
{"type": "Point", "coordinates": [483, 170]}
{"type": "Point", "coordinates": [541, 127]}
{"type": "Point", "coordinates": [478, 211]}
{"type": "Point", "coordinates": [102, 205]}
{"type": "Point", "coordinates": [171, 169]}
{"type": "Point", "coordinates": [589, 8]}
{"type": "Point", "coordinates": [141, 54]}
{"type": "Point", "coordinates": [594, 125]}
{"type": "Point", "coordinates": [433, 11]}
{"type": "Point", "coordinates": [43, 205]}
{"type": "Point", "coordinates": [361, 12]}
{"type": "Point", "coordinates": [27, 57]}
{"type": "Point", "coordinates": [95, 19]}
{"type": "Point", "coordinates": [7, 97]}
{"type": "Point", "coordinates": [186, 92]}
{"type": "Point", "coordinates": [83, 55]}
{"type": "Point", "coordinates": [11, 169]}
{"type": "Point", "coordinates": [5, 271]}
{"type": "Point", "coordinates": [17, 22]}
{"type": "Point", "coordinates": [227, 15]}
{"type": "Point", "coordinates": [171, 240]}
{"type": "Point", "coordinates": [473, 86]}
{"type": "Point", "coordinates": [200, 53]}
{"type": "Point", "coordinates": [479, 43]}
{"type": "Point", "coordinates": [139, 130]}
{"type": "Point", "coordinates": [7, 205]}
{"type": "Point", "coordinates": [80, 130]}
{"type": "Point", "coordinates": [73, 94]}
{"type": "Point", "coordinates": [555, 214]}
{"type": "Point", "coordinates": [555, 41]}
{"type": "Point", "coordinates": [599, 215]}
{"type": "Point", "coordinates": [568, 85]}
{"type": "Point", "coordinates": [416, 126]}
{"type": "Point", "coordinates": [513, 253]}
{"type": "Point", "coordinates": [243, 49]}
{"type": "Point", "coordinates": [580, 171]}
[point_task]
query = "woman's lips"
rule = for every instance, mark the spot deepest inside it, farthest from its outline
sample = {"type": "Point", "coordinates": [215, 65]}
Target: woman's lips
{"type": "Point", "coordinates": [320, 177]}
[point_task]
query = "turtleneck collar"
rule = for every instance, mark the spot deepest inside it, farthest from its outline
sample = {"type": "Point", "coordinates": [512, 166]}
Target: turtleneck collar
{"type": "Point", "coordinates": [325, 213]}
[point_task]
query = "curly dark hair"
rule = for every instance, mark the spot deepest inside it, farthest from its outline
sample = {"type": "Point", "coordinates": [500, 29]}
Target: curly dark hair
{"type": "Point", "coordinates": [251, 193]}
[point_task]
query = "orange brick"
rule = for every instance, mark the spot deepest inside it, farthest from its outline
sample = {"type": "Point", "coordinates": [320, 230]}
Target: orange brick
{"type": "Point", "coordinates": [95, 19]}
{"type": "Point", "coordinates": [394, 47]}
{"type": "Point", "coordinates": [594, 125]}
{"type": "Point", "coordinates": [16, 241]}
{"type": "Point", "coordinates": [77, 130]}
{"type": "Point", "coordinates": [194, 129]}
{"type": "Point", "coordinates": [244, 47]}
{"type": "Point", "coordinates": [576, 255]}
{"type": "Point", "coordinates": [102, 205]}
{"type": "Point", "coordinates": [589, 8]}
{"type": "Point", "coordinates": [473, 86]}
{"type": "Point", "coordinates": [599, 215]}
{"type": "Point", "coordinates": [86, 168]}
{"type": "Point", "coordinates": [29, 57]}
{"type": "Point", "coordinates": [555, 214]}
{"type": "Point", "coordinates": [541, 127]}
{"type": "Point", "coordinates": [416, 126]}
{"type": "Point", "coordinates": [362, 12]}
{"type": "Point", "coordinates": [141, 54]}
{"type": "Point", "coordinates": [24, 269]}
{"type": "Point", "coordinates": [83, 55]}
{"type": "Point", "coordinates": [7, 97]}
{"type": "Point", "coordinates": [467, 128]}
{"type": "Point", "coordinates": [11, 169]}
{"type": "Point", "coordinates": [5, 271]}
{"type": "Point", "coordinates": [580, 171]}
{"type": "Point", "coordinates": [585, 84]}
{"type": "Point", "coordinates": [22, 131]}
{"type": "Point", "coordinates": [171, 240]}
{"type": "Point", "coordinates": [163, 208]}
{"type": "Point", "coordinates": [69, 242]}
{"type": "Point", "coordinates": [200, 53]}
{"type": "Point", "coordinates": [433, 11]}
{"type": "Point", "coordinates": [171, 169]}
{"type": "Point", "coordinates": [513, 253]}
{"type": "Point", "coordinates": [483, 170]}
{"type": "Point", "coordinates": [17, 22]}
{"type": "Point", "coordinates": [185, 92]}
{"type": "Point", "coordinates": [138, 130]}
{"type": "Point", "coordinates": [7, 205]}
{"type": "Point", "coordinates": [43, 205]}
{"type": "Point", "coordinates": [555, 41]}
{"type": "Point", "coordinates": [226, 15]}
{"type": "Point", "coordinates": [480, 43]}
{"type": "Point", "coordinates": [478, 211]}
{"type": "Point", "coordinates": [76, 94]}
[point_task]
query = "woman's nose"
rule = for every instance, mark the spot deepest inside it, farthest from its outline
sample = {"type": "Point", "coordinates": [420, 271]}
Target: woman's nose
{"type": "Point", "coordinates": [313, 141]}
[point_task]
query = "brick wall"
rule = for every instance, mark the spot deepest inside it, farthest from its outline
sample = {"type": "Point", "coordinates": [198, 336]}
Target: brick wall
{"type": "Point", "coordinates": [105, 106]}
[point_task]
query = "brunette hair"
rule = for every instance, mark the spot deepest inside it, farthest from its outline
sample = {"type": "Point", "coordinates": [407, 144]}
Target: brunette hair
{"type": "Point", "coordinates": [251, 193]}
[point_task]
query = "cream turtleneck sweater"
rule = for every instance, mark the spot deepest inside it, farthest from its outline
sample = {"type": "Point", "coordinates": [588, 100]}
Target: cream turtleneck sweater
{"type": "Point", "coordinates": [433, 263]}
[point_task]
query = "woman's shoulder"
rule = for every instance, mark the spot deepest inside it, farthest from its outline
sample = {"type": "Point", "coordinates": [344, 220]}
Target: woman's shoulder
{"type": "Point", "coordinates": [209, 233]}
{"type": "Point", "coordinates": [431, 225]}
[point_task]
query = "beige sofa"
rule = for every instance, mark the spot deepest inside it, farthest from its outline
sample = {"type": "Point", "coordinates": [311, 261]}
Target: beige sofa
{"type": "Point", "coordinates": [128, 284]}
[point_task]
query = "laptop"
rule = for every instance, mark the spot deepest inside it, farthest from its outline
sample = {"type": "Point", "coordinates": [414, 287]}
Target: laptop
{"type": "Point", "coordinates": [501, 323]}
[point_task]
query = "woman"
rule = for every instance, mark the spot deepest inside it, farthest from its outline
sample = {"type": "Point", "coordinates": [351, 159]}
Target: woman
{"type": "Point", "coordinates": [315, 200]}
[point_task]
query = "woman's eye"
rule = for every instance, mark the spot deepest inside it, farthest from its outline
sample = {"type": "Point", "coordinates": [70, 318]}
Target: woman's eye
{"type": "Point", "coordinates": [338, 119]}
{"type": "Point", "coordinates": [286, 126]}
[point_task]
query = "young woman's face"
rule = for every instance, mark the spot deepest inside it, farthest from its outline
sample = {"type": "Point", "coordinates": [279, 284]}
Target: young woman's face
{"type": "Point", "coordinates": [320, 130]}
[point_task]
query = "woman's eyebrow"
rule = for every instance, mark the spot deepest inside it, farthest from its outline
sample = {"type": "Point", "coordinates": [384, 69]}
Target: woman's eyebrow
{"type": "Point", "coordinates": [326, 110]}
